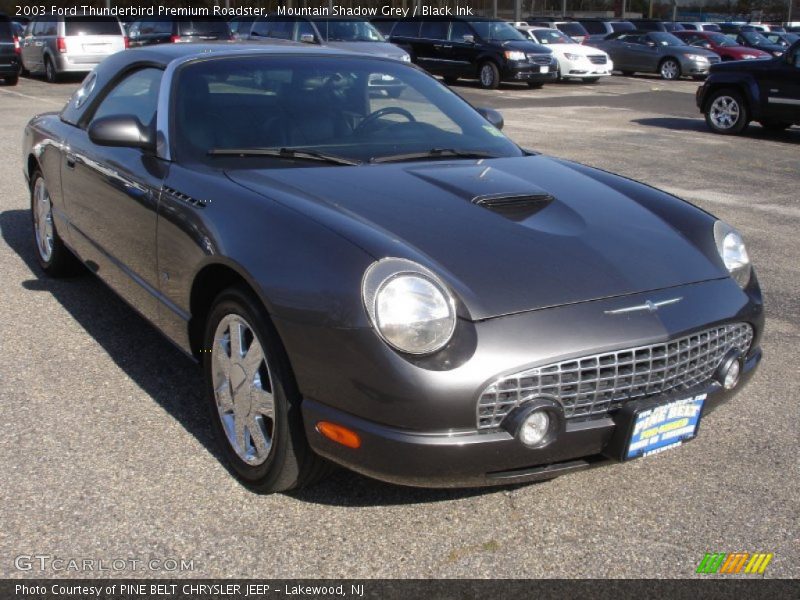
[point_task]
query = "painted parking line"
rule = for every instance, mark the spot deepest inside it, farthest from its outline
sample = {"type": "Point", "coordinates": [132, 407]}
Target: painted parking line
{"type": "Point", "coordinates": [37, 98]}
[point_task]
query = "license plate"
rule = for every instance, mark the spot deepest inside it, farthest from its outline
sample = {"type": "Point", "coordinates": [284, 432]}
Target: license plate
{"type": "Point", "coordinates": [95, 48]}
{"type": "Point", "coordinates": [664, 426]}
{"type": "Point", "coordinates": [544, 69]}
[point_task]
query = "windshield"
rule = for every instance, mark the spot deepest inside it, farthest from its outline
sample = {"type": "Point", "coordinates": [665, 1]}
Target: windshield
{"type": "Point", "coordinates": [496, 31]}
{"type": "Point", "coordinates": [665, 39]}
{"type": "Point", "coordinates": [551, 36]}
{"type": "Point", "coordinates": [755, 38]}
{"type": "Point", "coordinates": [722, 40]}
{"type": "Point", "coordinates": [350, 109]}
{"type": "Point", "coordinates": [348, 31]}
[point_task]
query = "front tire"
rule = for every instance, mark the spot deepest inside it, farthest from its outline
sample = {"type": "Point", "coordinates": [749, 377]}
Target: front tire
{"type": "Point", "coordinates": [489, 76]}
{"type": "Point", "coordinates": [53, 256]}
{"type": "Point", "coordinates": [669, 69]}
{"type": "Point", "coordinates": [450, 79]}
{"type": "Point", "coordinates": [535, 85]}
{"type": "Point", "coordinates": [726, 112]}
{"type": "Point", "coordinates": [254, 402]}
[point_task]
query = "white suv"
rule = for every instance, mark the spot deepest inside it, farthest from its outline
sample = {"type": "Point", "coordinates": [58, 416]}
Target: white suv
{"type": "Point", "coordinates": [574, 60]}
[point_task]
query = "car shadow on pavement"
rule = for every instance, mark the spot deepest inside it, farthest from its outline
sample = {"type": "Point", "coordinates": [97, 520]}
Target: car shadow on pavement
{"type": "Point", "coordinates": [172, 380]}
{"type": "Point", "coordinates": [754, 131]}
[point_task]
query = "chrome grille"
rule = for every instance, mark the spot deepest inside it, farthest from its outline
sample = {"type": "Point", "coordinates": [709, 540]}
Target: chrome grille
{"type": "Point", "coordinates": [597, 59]}
{"type": "Point", "coordinates": [540, 59]}
{"type": "Point", "coordinates": [596, 384]}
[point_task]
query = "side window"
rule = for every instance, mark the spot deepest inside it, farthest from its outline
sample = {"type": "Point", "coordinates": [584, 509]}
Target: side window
{"type": "Point", "coordinates": [49, 28]}
{"type": "Point", "coordinates": [406, 29]}
{"type": "Point", "coordinates": [458, 29]}
{"type": "Point", "coordinates": [434, 30]}
{"type": "Point", "coordinates": [136, 94]}
{"type": "Point", "coordinates": [594, 27]}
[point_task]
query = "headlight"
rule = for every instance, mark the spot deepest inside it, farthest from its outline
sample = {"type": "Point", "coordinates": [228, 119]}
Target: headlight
{"type": "Point", "coordinates": [748, 56]}
{"type": "Point", "coordinates": [732, 250]}
{"type": "Point", "coordinates": [405, 58]}
{"type": "Point", "coordinates": [778, 53]}
{"type": "Point", "coordinates": [569, 56]}
{"type": "Point", "coordinates": [697, 57]}
{"type": "Point", "coordinates": [515, 55]}
{"type": "Point", "coordinates": [408, 305]}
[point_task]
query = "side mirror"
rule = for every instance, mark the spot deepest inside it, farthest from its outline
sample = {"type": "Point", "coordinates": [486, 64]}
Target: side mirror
{"type": "Point", "coordinates": [307, 38]}
{"type": "Point", "coordinates": [493, 116]}
{"type": "Point", "coordinates": [121, 131]}
{"type": "Point", "coordinates": [469, 39]}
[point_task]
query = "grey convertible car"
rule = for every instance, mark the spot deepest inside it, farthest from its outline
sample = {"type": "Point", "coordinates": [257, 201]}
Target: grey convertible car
{"type": "Point", "coordinates": [389, 284]}
{"type": "Point", "coordinates": [656, 52]}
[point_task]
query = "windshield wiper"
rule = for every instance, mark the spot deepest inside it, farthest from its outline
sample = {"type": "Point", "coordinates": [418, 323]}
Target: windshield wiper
{"type": "Point", "coordinates": [290, 153]}
{"type": "Point", "coordinates": [432, 153]}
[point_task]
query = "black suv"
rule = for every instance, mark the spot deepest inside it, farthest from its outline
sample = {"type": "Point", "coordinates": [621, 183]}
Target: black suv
{"type": "Point", "coordinates": [9, 52]}
{"type": "Point", "coordinates": [489, 49]}
{"type": "Point", "coordinates": [656, 25]}
{"type": "Point", "coordinates": [165, 30]}
{"type": "Point", "coordinates": [767, 91]}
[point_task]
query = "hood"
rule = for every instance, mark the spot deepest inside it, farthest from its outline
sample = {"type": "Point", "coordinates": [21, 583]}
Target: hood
{"type": "Point", "coordinates": [579, 49]}
{"type": "Point", "coordinates": [383, 49]}
{"type": "Point", "coordinates": [745, 66]}
{"type": "Point", "coordinates": [570, 238]}
{"type": "Point", "coordinates": [690, 50]}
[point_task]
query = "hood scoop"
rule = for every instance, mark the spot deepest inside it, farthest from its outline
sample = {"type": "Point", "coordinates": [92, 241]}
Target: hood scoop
{"type": "Point", "coordinates": [516, 207]}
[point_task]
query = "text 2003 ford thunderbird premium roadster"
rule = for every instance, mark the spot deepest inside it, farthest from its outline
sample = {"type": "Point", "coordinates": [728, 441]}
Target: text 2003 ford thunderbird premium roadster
{"type": "Point", "coordinates": [388, 283]}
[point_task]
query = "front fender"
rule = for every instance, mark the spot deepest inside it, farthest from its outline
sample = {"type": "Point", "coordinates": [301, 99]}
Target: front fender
{"type": "Point", "coordinates": [745, 83]}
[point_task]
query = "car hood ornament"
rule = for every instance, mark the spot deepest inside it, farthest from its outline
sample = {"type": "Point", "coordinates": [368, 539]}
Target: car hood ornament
{"type": "Point", "coordinates": [649, 306]}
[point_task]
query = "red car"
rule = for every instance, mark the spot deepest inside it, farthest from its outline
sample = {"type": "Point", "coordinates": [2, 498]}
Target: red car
{"type": "Point", "coordinates": [726, 47]}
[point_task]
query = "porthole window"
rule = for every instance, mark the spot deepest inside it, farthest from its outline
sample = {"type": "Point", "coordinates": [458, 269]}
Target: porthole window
{"type": "Point", "coordinates": [85, 90]}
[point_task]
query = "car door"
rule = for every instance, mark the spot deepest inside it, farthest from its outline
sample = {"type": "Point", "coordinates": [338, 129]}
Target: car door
{"type": "Point", "coordinates": [644, 54]}
{"type": "Point", "coordinates": [621, 51]}
{"type": "Point", "coordinates": [26, 46]}
{"type": "Point", "coordinates": [779, 87]}
{"type": "Point", "coordinates": [111, 195]}
{"type": "Point", "coordinates": [461, 54]}
{"type": "Point", "coordinates": [431, 47]}
{"type": "Point", "coordinates": [33, 49]}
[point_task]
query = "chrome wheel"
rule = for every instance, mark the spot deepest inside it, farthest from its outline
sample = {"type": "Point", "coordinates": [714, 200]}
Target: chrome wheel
{"type": "Point", "coordinates": [43, 220]}
{"type": "Point", "coordinates": [724, 112]}
{"type": "Point", "coordinates": [670, 70]}
{"type": "Point", "coordinates": [487, 75]}
{"type": "Point", "coordinates": [243, 389]}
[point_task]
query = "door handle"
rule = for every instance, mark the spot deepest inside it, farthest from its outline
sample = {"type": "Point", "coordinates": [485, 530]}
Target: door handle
{"type": "Point", "coordinates": [447, 46]}
{"type": "Point", "coordinates": [71, 160]}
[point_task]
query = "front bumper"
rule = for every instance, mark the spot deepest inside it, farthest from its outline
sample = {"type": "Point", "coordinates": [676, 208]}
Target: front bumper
{"type": "Point", "coordinates": [525, 71]}
{"type": "Point", "coordinates": [77, 63]}
{"type": "Point", "coordinates": [692, 67]}
{"type": "Point", "coordinates": [584, 68]}
{"type": "Point", "coordinates": [477, 459]}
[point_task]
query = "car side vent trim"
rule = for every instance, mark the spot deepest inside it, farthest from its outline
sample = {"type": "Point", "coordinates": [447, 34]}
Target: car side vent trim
{"type": "Point", "coordinates": [181, 197]}
{"type": "Point", "coordinates": [517, 207]}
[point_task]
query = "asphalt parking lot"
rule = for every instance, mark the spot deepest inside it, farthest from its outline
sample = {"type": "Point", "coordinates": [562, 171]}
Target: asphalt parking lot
{"type": "Point", "coordinates": [106, 451]}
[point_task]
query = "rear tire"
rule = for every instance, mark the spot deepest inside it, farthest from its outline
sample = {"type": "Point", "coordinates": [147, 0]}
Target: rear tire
{"type": "Point", "coordinates": [450, 79]}
{"type": "Point", "coordinates": [535, 85]}
{"type": "Point", "coordinates": [726, 112]}
{"type": "Point", "coordinates": [12, 80]}
{"type": "Point", "coordinates": [489, 75]}
{"type": "Point", "coordinates": [50, 72]}
{"type": "Point", "coordinates": [253, 399]}
{"type": "Point", "coordinates": [628, 73]}
{"type": "Point", "coordinates": [53, 256]}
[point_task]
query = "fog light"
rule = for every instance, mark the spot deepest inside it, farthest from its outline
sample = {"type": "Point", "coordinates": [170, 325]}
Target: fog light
{"type": "Point", "coordinates": [732, 376]}
{"type": "Point", "coordinates": [536, 422]}
{"type": "Point", "coordinates": [730, 370]}
{"type": "Point", "coordinates": [534, 428]}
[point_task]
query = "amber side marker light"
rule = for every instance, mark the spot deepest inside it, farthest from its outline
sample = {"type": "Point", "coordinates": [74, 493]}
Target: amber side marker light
{"type": "Point", "coordinates": [340, 435]}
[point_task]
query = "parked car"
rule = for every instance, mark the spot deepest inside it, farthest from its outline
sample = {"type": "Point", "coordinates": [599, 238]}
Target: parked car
{"type": "Point", "coordinates": [390, 284]}
{"type": "Point", "coordinates": [574, 60]}
{"type": "Point", "coordinates": [599, 29]}
{"type": "Point", "coordinates": [149, 31]}
{"type": "Point", "coordinates": [343, 33]}
{"type": "Point", "coordinates": [729, 28]}
{"type": "Point", "coordinates": [657, 52]}
{"type": "Point", "coordinates": [9, 52]}
{"type": "Point", "coordinates": [489, 49]}
{"type": "Point", "coordinates": [782, 39]}
{"type": "Point", "coordinates": [767, 91]}
{"type": "Point", "coordinates": [656, 25]}
{"type": "Point", "coordinates": [720, 43]}
{"type": "Point", "coordinates": [56, 45]}
{"type": "Point", "coordinates": [756, 40]}
{"type": "Point", "coordinates": [571, 28]}
{"type": "Point", "coordinates": [700, 26]}
{"type": "Point", "coordinates": [240, 27]}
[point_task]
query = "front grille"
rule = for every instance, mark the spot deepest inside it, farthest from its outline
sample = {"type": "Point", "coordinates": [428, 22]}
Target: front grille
{"type": "Point", "coordinates": [597, 59]}
{"type": "Point", "coordinates": [540, 59]}
{"type": "Point", "coordinates": [596, 384]}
